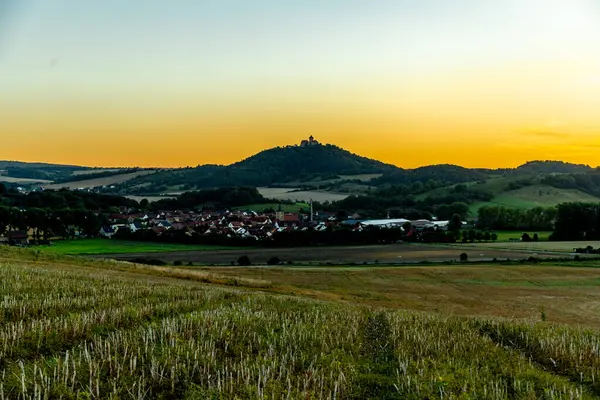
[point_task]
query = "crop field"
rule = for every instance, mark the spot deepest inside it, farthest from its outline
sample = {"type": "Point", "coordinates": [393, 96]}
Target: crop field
{"type": "Point", "coordinates": [90, 183]}
{"type": "Point", "coordinates": [106, 246]}
{"type": "Point", "coordinates": [24, 181]}
{"type": "Point", "coordinates": [94, 329]}
{"type": "Point", "coordinates": [533, 247]}
{"type": "Point", "coordinates": [383, 254]}
{"type": "Point", "coordinates": [301, 196]}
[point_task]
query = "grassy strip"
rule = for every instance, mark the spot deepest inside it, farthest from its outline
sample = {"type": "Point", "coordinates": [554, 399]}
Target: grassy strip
{"type": "Point", "coordinates": [106, 246]}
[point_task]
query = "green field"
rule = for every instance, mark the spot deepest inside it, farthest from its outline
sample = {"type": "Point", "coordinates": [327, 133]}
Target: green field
{"type": "Point", "coordinates": [505, 236]}
{"type": "Point", "coordinates": [531, 196]}
{"type": "Point", "coordinates": [109, 246]}
{"type": "Point", "coordinates": [74, 328]}
{"type": "Point", "coordinates": [289, 208]}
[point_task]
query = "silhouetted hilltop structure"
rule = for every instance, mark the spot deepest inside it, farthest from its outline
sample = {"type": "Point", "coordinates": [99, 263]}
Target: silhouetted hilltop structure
{"type": "Point", "coordinates": [310, 142]}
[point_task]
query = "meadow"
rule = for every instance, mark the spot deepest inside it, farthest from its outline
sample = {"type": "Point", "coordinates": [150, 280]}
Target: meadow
{"type": "Point", "coordinates": [75, 328]}
{"type": "Point", "coordinates": [106, 246]}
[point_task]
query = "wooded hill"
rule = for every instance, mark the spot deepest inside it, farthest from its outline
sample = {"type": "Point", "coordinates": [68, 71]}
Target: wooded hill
{"type": "Point", "coordinates": [388, 188]}
{"type": "Point", "coordinates": [278, 165]}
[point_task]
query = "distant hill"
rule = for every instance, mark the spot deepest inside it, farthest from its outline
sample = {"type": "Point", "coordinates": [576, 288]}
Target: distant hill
{"type": "Point", "coordinates": [325, 167]}
{"type": "Point", "coordinates": [552, 167]}
{"type": "Point", "coordinates": [273, 166]}
{"type": "Point", "coordinates": [16, 171]}
{"type": "Point", "coordinates": [442, 173]}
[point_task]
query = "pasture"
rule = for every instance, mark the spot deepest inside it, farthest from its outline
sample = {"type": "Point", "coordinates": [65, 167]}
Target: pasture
{"type": "Point", "coordinates": [107, 246]}
{"type": "Point", "coordinates": [94, 329]}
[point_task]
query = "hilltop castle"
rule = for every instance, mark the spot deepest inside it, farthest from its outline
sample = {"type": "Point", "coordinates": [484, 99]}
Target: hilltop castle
{"type": "Point", "coordinates": [310, 142]}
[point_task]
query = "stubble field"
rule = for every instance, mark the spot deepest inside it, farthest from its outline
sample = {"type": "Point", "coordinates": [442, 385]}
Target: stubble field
{"type": "Point", "coordinates": [74, 328]}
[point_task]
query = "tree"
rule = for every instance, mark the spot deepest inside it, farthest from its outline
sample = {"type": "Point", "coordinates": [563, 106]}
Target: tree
{"type": "Point", "coordinates": [341, 215]}
{"type": "Point", "coordinates": [455, 223]}
{"type": "Point", "coordinates": [274, 261]}
{"type": "Point", "coordinates": [494, 237]}
{"type": "Point", "coordinates": [479, 236]}
{"type": "Point", "coordinates": [472, 235]}
{"type": "Point", "coordinates": [536, 237]}
{"type": "Point", "coordinates": [244, 261]}
{"type": "Point", "coordinates": [526, 237]}
{"type": "Point", "coordinates": [487, 236]}
{"type": "Point", "coordinates": [464, 257]}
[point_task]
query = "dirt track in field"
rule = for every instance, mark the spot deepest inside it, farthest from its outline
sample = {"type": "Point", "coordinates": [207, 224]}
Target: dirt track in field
{"type": "Point", "coordinates": [398, 253]}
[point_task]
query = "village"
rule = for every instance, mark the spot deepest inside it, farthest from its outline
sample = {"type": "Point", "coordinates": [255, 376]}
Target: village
{"type": "Point", "coordinates": [250, 224]}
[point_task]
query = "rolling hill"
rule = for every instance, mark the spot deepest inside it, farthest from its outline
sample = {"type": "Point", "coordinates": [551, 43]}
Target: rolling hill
{"type": "Point", "coordinates": [274, 166]}
{"type": "Point", "coordinates": [306, 171]}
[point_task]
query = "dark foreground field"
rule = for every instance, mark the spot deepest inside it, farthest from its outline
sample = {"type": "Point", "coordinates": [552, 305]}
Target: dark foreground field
{"type": "Point", "coordinates": [75, 328]}
{"type": "Point", "coordinates": [392, 254]}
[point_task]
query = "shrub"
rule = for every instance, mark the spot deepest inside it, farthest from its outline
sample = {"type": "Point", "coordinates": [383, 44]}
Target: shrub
{"type": "Point", "coordinates": [273, 261]}
{"type": "Point", "coordinates": [244, 261]}
{"type": "Point", "coordinates": [177, 263]}
{"type": "Point", "coordinates": [464, 257]}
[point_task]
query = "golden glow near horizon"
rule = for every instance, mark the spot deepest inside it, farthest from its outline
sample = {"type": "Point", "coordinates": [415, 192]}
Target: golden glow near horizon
{"type": "Point", "coordinates": [409, 83]}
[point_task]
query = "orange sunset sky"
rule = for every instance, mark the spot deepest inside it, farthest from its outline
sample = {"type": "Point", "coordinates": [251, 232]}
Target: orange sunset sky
{"type": "Point", "coordinates": [410, 82]}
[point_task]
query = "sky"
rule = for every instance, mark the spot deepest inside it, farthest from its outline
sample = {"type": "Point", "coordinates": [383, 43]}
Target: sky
{"type": "Point", "coordinates": [172, 83]}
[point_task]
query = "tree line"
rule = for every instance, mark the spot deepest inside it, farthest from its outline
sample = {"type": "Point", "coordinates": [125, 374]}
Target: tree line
{"type": "Point", "coordinates": [514, 219]}
{"type": "Point", "coordinates": [57, 213]}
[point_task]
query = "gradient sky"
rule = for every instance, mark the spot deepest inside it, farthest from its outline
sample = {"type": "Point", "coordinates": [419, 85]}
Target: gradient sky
{"type": "Point", "coordinates": [489, 83]}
